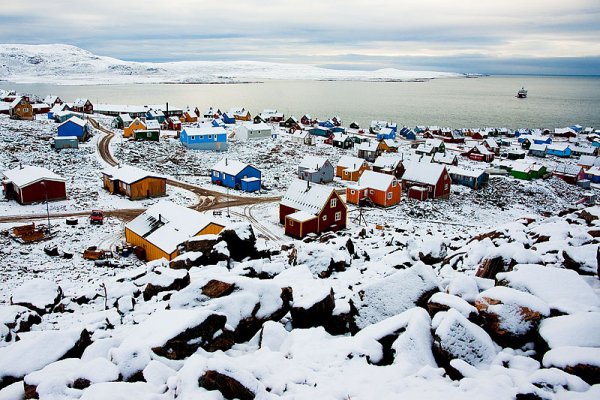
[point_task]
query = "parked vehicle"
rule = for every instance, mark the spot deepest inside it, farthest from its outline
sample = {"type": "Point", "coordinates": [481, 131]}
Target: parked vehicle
{"type": "Point", "coordinates": [97, 217]}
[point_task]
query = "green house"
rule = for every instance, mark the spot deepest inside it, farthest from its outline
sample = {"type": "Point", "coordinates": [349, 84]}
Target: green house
{"type": "Point", "coordinates": [538, 171]}
{"type": "Point", "coordinates": [152, 135]}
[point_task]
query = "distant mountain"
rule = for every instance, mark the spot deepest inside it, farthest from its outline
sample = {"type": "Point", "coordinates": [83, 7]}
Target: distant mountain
{"type": "Point", "coordinates": [70, 65]}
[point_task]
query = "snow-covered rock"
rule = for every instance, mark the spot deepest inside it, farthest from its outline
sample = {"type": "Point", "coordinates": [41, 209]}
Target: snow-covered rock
{"type": "Point", "coordinates": [395, 294]}
{"type": "Point", "coordinates": [509, 315]}
{"type": "Point", "coordinates": [581, 329]}
{"type": "Point", "coordinates": [581, 361]}
{"type": "Point", "coordinates": [124, 391]}
{"type": "Point", "coordinates": [18, 318]}
{"type": "Point", "coordinates": [37, 294]}
{"type": "Point", "coordinates": [444, 301]}
{"type": "Point", "coordinates": [455, 337]}
{"type": "Point", "coordinates": [464, 287]}
{"type": "Point", "coordinates": [35, 350]}
{"type": "Point", "coordinates": [564, 290]}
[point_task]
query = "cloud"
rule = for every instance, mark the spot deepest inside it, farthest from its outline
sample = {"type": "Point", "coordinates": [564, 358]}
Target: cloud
{"type": "Point", "coordinates": [333, 32]}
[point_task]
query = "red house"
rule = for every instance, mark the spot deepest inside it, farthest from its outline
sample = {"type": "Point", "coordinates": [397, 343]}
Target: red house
{"type": "Point", "coordinates": [173, 124]}
{"type": "Point", "coordinates": [375, 188]}
{"type": "Point", "coordinates": [434, 177]}
{"type": "Point", "coordinates": [569, 173]}
{"type": "Point", "coordinates": [479, 153]}
{"type": "Point", "coordinates": [28, 184]}
{"type": "Point", "coordinates": [83, 106]}
{"type": "Point", "coordinates": [310, 208]}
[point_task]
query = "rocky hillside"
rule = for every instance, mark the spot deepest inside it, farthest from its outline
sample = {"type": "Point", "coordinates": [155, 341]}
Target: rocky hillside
{"type": "Point", "coordinates": [509, 313]}
{"type": "Point", "coordinates": [64, 64]}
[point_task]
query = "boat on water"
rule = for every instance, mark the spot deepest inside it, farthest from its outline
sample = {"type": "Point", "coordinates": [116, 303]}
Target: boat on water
{"type": "Point", "coordinates": [522, 94]}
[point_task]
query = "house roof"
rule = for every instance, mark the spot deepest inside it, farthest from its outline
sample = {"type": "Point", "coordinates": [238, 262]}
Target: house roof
{"type": "Point", "coordinates": [301, 216]}
{"type": "Point", "coordinates": [445, 158]}
{"type": "Point", "coordinates": [583, 149]}
{"type": "Point", "coordinates": [538, 147]}
{"type": "Point", "coordinates": [305, 196]}
{"type": "Point", "coordinates": [428, 173]}
{"type": "Point", "coordinates": [312, 162]}
{"type": "Point", "coordinates": [176, 120]}
{"type": "Point", "coordinates": [80, 102]}
{"type": "Point", "coordinates": [390, 162]}
{"type": "Point", "coordinates": [568, 169]}
{"type": "Point", "coordinates": [129, 174]}
{"type": "Point", "coordinates": [205, 130]}
{"type": "Point", "coordinates": [229, 167]}
{"type": "Point", "coordinates": [368, 146]}
{"type": "Point", "coordinates": [385, 131]}
{"type": "Point", "coordinates": [491, 142]}
{"type": "Point", "coordinates": [589, 161]}
{"type": "Point", "coordinates": [350, 162]}
{"type": "Point", "coordinates": [152, 124]}
{"type": "Point", "coordinates": [50, 99]}
{"type": "Point", "coordinates": [125, 117]}
{"type": "Point", "coordinates": [166, 225]}
{"type": "Point", "coordinates": [30, 174]}
{"type": "Point", "coordinates": [389, 143]}
{"type": "Point", "coordinates": [257, 127]}
{"type": "Point", "coordinates": [16, 102]}
{"type": "Point", "coordinates": [433, 142]}
{"type": "Point", "coordinates": [75, 120]}
{"type": "Point", "coordinates": [465, 172]}
{"type": "Point", "coordinates": [595, 171]}
{"type": "Point", "coordinates": [376, 180]}
{"type": "Point", "coordinates": [558, 146]}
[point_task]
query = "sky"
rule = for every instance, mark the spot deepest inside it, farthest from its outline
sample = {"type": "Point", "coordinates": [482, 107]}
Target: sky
{"type": "Point", "coordinates": [469, 36]}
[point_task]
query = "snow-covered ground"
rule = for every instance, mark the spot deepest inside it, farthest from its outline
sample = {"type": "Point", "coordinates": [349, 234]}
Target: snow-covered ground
{"type": "Point", "coordinates": [372, 313]}
{"type": "Point", "coordinates": [70, 65]}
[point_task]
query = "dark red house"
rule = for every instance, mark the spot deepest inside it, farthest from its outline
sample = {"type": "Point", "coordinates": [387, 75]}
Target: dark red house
{"type": "Point", "coordinates": [479, 153]}
{"type": "Point", "coordinates": [310, 208]}
{"type": "Point", "coordinates": [83, 106]}
{"type": "Point", "coordinates": [29, 184]}
{"type": "Point", "coordinates": [434, 177]}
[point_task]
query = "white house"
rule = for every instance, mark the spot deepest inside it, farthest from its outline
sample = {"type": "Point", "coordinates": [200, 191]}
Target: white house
{"type": "Point", "coordinates": [253, 131]}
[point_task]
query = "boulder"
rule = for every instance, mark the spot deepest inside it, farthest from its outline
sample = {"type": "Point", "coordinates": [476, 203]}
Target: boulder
{"type": "Point", "coordinates": [455, 337]}
{"type": "Point", "coordinates": [580, 329]}
{"type": "Point", "coordinates": [464, 287]}
{"type": "Point", "coordinates": [395, 294]}
{"type": "Point", "coordinates": [443, 302]}
{"type": "Point", "coordinates": [124, 391]}
{"type": "Point", "coordinates": [37, 294]}
{"type": "Point", "coordinates": [509, 315]}
{"type": "Point", "coordinates": [35, 350]}
{"type": "Point", "coordinates": [18, 318]}
{"type": "Point", "coordinates": [490, 267]}
{"type": "Point", "coordinates": [162, 280]}
{"type": "Point", "coordinates": [323, 260]}
{"type": "Point", "coordinates": [312, 309]}
{"type": "Point", "coordinates": [229, 387]}
{"type": "Point", "coordinates": [176, 334]}
{"type": "Point", "coordinates": [241, 241]}
{"type": "Point", "coordinates": [202, 250]}
{"type": "Point", "coordinates": [582, 259]}
{"type": "Point", "coordinates": [215, 288]}
{"type": "Point", "coordinates": [583, 362]}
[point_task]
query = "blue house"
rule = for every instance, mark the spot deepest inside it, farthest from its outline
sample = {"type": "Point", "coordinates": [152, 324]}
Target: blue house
{"type": "Point", "coordinates": [236, 175]}
{"type": "Point", "coordinates": [472, 179]}
{"type": "Point", "coordinates": [228, 119]}
{"type": "Point", "coordinates": [320, 131]}
{"type": "Point", "coordinates": [327, 124]}
{"type": "Point", "coordinates": [338, 129]}
{"type": "Point", "coordinates": [155, 114]}
{"type": "Point", "coordinates": [74, 126]}
{"type": "Point", "coordinates": [559, 150]}
{"type": "Point", "coordinates": [204, 138]}
{"type": "Point", "coordinates": [386, 133]}
{"type": "Point", "coordinates": [593, 174]}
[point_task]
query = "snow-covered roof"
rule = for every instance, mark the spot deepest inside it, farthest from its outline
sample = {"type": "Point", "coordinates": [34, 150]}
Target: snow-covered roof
{"type": "Point", "coordinates": [312, 162]}
{"type": "Point", "coordinates": [588, 161]}
{"type": "Point", "coordinates": [567, 169]}
{"type": "Point", "coordinates": [80, 102]}
{"type": "Point", "coordinates": [176, 120]}
{"type": "Point", "coordinates": [29, 174]}
{"type": "Point", "coordinates": [465, 172]}
{"type": "Point", "coordinates": [50, 99]}
{"type": "Point", "coordinates": [386, 131]}
{"type": "Point", "coordinates": [237, 111]}
{"type": "Point", "coordinates": [389, 143]}
{"type": "Point", "coordinates": [376, 180]}
{"type": "Point", "coordinates": [75, 120]}
{"type": "Point", "coordinates": [428, 173]}
{"type": "Point", "coordinates": [390, 162]}
{"type": "Point", "coordinates": [483, 150]}
{"type": "Point", "coordinates": [257, 127]}
{"type": "Point", "coordinates": [16, 102]}
{"type": "Point", "coordinates": [583, 149]}
{"type": "Point", "coordinates": [305, 196]}
{"type": "Point", "coordinates": [350, 162]}
{"type": "Point", "coordinates": [166, 225]}
{"type": "Point", "coordinates": [595, 171]}
{"type": "Point", "coordinates": [152, 124]}
{"type": "Point", "coordinates": [129, 174]}
{"type": "Point", "coordinates": [125, 117]}
{"type": "Point", "coordinates": [558, 146]}
{"type": "Point", "coordinates": [445, 158]}
{"type": "Point", "coordinates": [229, 167]}
{"type": "Point", "coordinates": [491, 142]}
{"type": "Point", "coordinates": [433, 142]}
{"type": "Point", "coordinates": [205, 130]}
{"type": "Point", "coordinates": [301, 216]}
{"type": "Point", "coordinates": [368, 146]}
{"type": "Point", "coordinates": [562, 131]}
{"type": "Point", "coordinates": [538, 147]}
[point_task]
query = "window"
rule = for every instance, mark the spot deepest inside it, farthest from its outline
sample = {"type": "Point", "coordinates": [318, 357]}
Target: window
{"type": "Point", "coordinates": [371, 191]}
{"type": "Point", "coordinates": [389, 196]}
{"type": "Point", "coordinates": [345, 172]}
{"type": "Point", "coordinates": [338, 215]}
{"type": "Point", "coordinates": [216, 173]}
{"type": "Point", "coordinates": [394, 182]}
{"type": "Point", "coordinates": [333, 203]}
{"type": "Point", "coordinates": [324, 217]}
{"type": "Point", "coordinates": [446, 186]}
{"type": "Point", "coordinates": [25, 109]}
{"type": "Point", "coordinates": [291, 222]}
{"type": "Point", "coordinates": [352, 191]}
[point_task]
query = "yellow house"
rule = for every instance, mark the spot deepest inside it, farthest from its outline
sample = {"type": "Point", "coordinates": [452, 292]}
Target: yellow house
{"type": "Point", "coordinates": [164, 226]}
{"type": "Point", "coordinates": [136, 125]}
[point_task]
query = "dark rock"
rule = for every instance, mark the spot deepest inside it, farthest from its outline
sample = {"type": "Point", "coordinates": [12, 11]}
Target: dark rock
{"type": "Point", "coordinates": [589, 373]}
{"type": "Point", "coordinates": [165, 280]}
{"type": "Point", "coordinates": [350, 246]}
{"type": "Point", "coordinates": [229, 387]}
{"type": "Point", "coordinates": [341, 324]}
{"type": "Point", "coordinates": [215, 288]}
{"type": "Point", "coordinates": [249, 326]}
{"type": "Point", "coordinates": [28, 293]}
{"type": "Point", "coordinates": [243, 247]}
{"type": "Point", "coordinates": [316, 315]}
{"type": "Point", "coordinates": [490, 267]}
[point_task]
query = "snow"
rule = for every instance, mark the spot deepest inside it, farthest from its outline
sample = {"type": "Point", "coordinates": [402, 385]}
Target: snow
{"type": "Point", "coordinates": [454, 302]}
{"type": "Point", "coordinates": [75, 120]}
{"type": "Point", "coordinates": [376, 180]}
{"type": "Point", "coordinates": [350, 162]}
{"type": "Point", "coordinates": [305, 196]}
{"type": "Point", "coordinates": [229, 167]}
{"type": "Point", "coordinates": [422, 172]}
{"type": "Point", "coordinates": [204, 131]}
{"type": "Point", "coordinates": [581, 329]}
{"type": "Point", "coordinates": [312, 162]}
{"type": "Point", "coordinates": [40, 293]}
{"type": "Point", "coordinates": [507, 296]}
{"type": "Point", "coordinates": [560, 288]}
{"type": "Point", "coordinates": [123, 391]}
{"type": "Point", "coordinates": [464, 287]}
{"type": "Point", "coordinates": [570, 356]}
{"type": "Point", "coordinates": [301, 216]}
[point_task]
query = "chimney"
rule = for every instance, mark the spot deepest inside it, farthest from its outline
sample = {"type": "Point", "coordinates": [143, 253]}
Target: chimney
{"type": "Point", "coordinates": [159, 218]}
{"type": "Point", "coordinates": [307, 185]}
{"type": "Point", "coordinates": [225, 161]}
{"type": "Point", "coordinates": [20, 166]}
{"type": "Point", "coordinates": [167, 113]}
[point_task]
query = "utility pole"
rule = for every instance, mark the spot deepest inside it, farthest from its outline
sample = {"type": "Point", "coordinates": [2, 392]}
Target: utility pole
{"type": "Point", "coordinates": [227, 201]}
{"type": "Point", "coordinates": [47, 205]}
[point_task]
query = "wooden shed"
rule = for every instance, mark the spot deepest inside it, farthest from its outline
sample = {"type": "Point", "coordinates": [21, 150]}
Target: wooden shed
{"type": "Point", "coordinates": [134, 182]}
{"type": "Point", "coordinates": [29, 184]}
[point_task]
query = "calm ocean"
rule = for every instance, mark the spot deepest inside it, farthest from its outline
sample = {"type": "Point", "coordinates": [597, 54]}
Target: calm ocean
{"type": "Point", "coordinates": [473, 102]}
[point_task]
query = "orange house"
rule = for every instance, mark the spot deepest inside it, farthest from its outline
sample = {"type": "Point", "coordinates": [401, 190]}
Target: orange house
{"type": "Point", "coordinates": [376, 188]}
{"type": "Point", "coordinates": [136, 125]}
{"type": "Point", "coordinates": [20, 108]}
{"type": "Point", "coordinates": [350, 168]}
{"type": "Point", "coordinates": [240, 114]}
{"type": "Point", "coordinates": [189, 116]}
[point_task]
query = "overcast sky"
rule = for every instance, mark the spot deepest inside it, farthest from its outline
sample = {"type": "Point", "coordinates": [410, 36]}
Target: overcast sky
{"type": "Point", "coordinates": [485, 36]}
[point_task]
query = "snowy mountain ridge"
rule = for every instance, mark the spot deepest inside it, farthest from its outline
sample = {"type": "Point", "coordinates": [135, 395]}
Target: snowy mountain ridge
{"type": "Point", "coordinates": [71, 65]}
